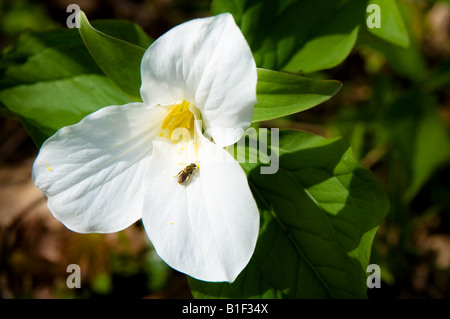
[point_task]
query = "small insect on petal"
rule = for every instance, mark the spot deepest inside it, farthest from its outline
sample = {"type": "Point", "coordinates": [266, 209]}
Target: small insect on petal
{"type": "Point", "coordinates": [185, 174]}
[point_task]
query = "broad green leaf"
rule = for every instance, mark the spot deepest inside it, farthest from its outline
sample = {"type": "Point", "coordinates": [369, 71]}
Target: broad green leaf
{"type": "Point", "coordinates": [296, 35]}
{"type": "Point", "coordinates": [337, 46]}
{"type": "Point", "coordinates": [119, 59]}
{"type": "Point", "coordinates": [50, 80]}
{"type": "Point", "coordinates": [46, 56]}
{"type": "Point", "coordinates": [46, 106]}
{"type": "Point", "coordinates": [319, 214]}
{"type": "Point", "coordinates": [123, 30]}
{"type": "Point", "coordinates": [392, 27]}
{"type": "Point", "coordinates": [57, 54]}
{"type": "Point", "coordinates": [281, 94]}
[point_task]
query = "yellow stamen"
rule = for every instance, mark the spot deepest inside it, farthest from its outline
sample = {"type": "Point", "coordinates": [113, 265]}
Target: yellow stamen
{"type": "Point", "coordinates": [179, 117]}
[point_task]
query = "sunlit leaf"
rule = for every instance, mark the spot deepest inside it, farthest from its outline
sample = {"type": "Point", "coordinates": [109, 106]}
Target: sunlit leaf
{"type": "Point", "coordinates": [281, 94]}
{"type": "Point", "coordinates": [119, 59]}
{"type": "Point", "coordinates": [49, 79]}
{"type": "Point", "coordinates": [295, 35]}
{"type": "Point", "coordinates": [47, 106]}
{"type": "Point", "coordinates": [392, 27]}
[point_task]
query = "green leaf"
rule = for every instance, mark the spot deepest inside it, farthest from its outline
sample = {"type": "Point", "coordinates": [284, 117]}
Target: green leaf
{"type": "Point", "coordinates": [123, 30]}
{"type": "Point", "coordinates": [419, 136]}
{"type": "Point", "coordinates": [392, 27]}
{"type": "Point", "coordinates": [44, 107]}
{"type": "Point", "coordinates": [47, 56]}
{"type": "Point", "coordinates": [319, 214]}
{"type": "Point", "coordinates": [119, 59]}
{"type": "Point", "coordinates": [57, 54]}
{"type": "Point", "coordinates": [49, 80]}
{"type": "Point", "coordinates": [337, 46]}
{"type": "Point", "coordinates": [280, 94]}
{"type": "Point", "coordinates": [296, 35]}
{"type": "Point", "coordinates": [407, 62]}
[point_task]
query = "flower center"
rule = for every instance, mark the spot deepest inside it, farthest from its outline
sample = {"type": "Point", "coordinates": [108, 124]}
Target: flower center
{"type": "Point", "coordinates": [179, 117]}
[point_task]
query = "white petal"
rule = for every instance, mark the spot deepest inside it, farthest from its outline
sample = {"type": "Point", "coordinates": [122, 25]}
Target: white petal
{"type": "Point", "coordinates": [206, 62]}
{"type": "Point", "coordinates": [207, 227]}
{"type": "Point", "coordinates": [92, 171]}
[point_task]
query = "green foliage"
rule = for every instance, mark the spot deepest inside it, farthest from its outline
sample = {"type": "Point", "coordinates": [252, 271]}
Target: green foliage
{"type": "Point", "coordinates": [320, 211]}
{"type": "Point", "coordinates": [401, 130]}
{"type": "Point", "coordinates": [43, 114]}
{"type": "Point", "coordinates": [49, 80]}
{"type": "Point", "coordinates": [19, 15]}
{"type": "Point", "coordinates": [119, 59]}
{"type": "Point", "coordinates": [281, 94]}
{"type": "Point", "coordinates": [308, 36]}
{"type": "Point", "coordinates": [319, 214]}
{"type": "Point", "coordinates": [406, 120]}
{"type": "Point", "coordinates": [420, 138]}
{"type": "Point", "coordinates": [297, 36]}
{"type": "Point", "coordinates": [392, 28]}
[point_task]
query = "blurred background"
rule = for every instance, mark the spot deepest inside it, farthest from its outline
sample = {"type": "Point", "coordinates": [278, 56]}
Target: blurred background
{"type": "Point", "coordinates": [393, 109]}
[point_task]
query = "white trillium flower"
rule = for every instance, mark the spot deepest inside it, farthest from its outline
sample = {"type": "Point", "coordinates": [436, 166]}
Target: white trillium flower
{"type": "Point", "coordinates": [122, 163]}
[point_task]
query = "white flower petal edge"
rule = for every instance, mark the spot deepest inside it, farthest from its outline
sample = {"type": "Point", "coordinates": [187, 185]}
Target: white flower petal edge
{"type": "Point", "coordinates": [207, 228]}
{"type": "Point", "coordinates": [92, 171]}
{"type": "Point", "coordinates": [208, 63]}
